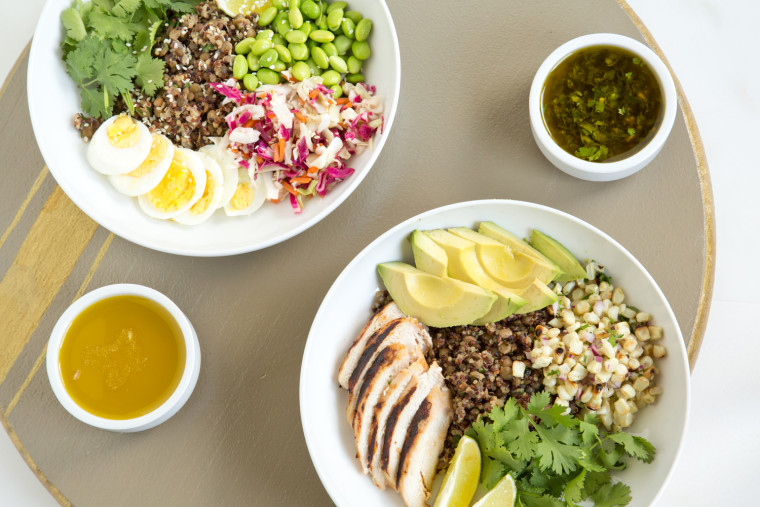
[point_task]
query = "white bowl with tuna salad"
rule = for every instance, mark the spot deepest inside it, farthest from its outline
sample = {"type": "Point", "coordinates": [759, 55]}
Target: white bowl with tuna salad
{"type": "Point", "coordinates": [346, 309]}
{"type": "Point", "coordinates": [54, 100]}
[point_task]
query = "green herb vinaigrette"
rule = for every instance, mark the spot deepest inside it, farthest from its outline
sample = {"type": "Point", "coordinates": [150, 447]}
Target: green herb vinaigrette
{"type": "Point", "coordinates": [600, 102]}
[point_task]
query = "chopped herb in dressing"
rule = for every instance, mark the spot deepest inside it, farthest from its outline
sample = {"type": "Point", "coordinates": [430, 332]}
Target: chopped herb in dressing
{"type": "Point", "coordinates": [600, 102]}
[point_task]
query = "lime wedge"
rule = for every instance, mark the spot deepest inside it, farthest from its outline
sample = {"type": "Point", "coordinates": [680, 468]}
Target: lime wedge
{"type": "Point", "coordinates": [461, 478]}
{"type": "Point", "coordinates": [502, 495]}
{"type": "Point", "coordinates": [245, 7]}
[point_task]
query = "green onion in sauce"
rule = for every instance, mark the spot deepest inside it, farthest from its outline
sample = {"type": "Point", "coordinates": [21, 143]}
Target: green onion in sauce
{"type": "Point", "coordinates": [601, 102]}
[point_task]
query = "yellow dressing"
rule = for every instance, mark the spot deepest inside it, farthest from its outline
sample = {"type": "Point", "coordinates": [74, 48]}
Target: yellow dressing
{"type": "Point", "coordinates": [242, 197]}
{"type": "Point", "coordinates": [205, 200]}
{"type": "Point", "coordinates": [158, 148]}
{"type": "Point", "coordinates": [123, 132]}
{"type": "Point", "coordinates": [122, 357]}
{"type": "Point", "coordinates": [176, 188]}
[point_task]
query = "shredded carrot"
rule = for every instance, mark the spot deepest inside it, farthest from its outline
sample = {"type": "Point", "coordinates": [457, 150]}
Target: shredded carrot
{"type": "Point", "coordinates": [312, 169]}
{"type": "Point", "coordinates": [342, 100]}
{"type": "Point", "coordinates": [250, 123]}
{"type": "Point", "coordinates": [301, 179]}
{"type": "Point", "coordinates": [289, 188]}
{"type": "Point", "coordinates": [259, 160]}
{"type": "Point", "coordinates": [271, 115]}
{"type": "Point", "coordinates": [300, 117]}
{"type": "Point", "coordinates": [282, 148]}
{"type": "Point", "coordinates": [276, 153]}
{"type": "Point", "coordinates": [313, 94]}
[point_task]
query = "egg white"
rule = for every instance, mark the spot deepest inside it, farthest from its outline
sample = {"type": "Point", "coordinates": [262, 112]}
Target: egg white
{"type": "Point", "coordinates": [190, 160]}
{"type": "Point", "coordinates": [128, 184]}
{"type": "Point", "coordinates": [259, 196]}
{"type": "Point", "coordinates": [229, 168]}
{"type": "Point", "coordinates": [214, 177]}
{"type": "Point", "coordinates": [108, 159]}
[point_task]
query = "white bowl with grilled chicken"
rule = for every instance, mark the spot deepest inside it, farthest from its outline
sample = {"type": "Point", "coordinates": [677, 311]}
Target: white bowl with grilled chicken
{"type": "Point", "coordinates": [343, 363]}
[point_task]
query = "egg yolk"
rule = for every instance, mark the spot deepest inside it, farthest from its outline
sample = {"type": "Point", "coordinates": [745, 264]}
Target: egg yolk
{"type": "Point", "coordinates": [123, 132]}
{"type": "Point", "coordinates": [205, 200]}
{"type": "Point", "coordinates": [176, 189]}
{"type": "Point", "coordinates": [158, 148]}
{"type": "Point", "coordinates": [242, 197]}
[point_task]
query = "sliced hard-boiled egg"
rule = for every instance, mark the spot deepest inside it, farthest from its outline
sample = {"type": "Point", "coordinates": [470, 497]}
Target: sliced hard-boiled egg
{"type": "Point", "coordinates": [247, 197]}
{"type": "Point", "coordinates": [181, 187]}
{"type": "Point", "coordinates": [119, 145]}
{"type": "Point", "coordinates": [212, 195]}
{"type": "Point", "coordinates": [150, 172]}
{"type": "Point", "coordinates": [229, 169]}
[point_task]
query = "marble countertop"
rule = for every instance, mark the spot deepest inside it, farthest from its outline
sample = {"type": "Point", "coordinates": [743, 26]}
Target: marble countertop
{"type": "Point", "coordinates": [709, 45]}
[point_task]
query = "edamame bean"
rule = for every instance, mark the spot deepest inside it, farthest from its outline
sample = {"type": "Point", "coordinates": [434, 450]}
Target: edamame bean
{"type": "Point", "coordinates": [322, 36]}
{"type": "Point", "coordinates": [299, 51]}
{"type": "Point", "coordinates": [294, 4]}
{"type": "Point", "coordinates": [280, 5]}
{"type": "Point", "coordinates": [268, 58]}
{"type": "Point", "coordinates": [322, 22]}
{"type": "Point", "coordinates": [281, 24]}
{"type": "Point", "coordinates": [311, 43]}
{"type": "Point", "coordinates": [295, 36]}
{"type": "Point", "coordinates": [339, 64]}
{"type": "Point", "coordinates": [313, 67]}
{"type": "Point", "coordinates": [267, 16]}
{"type": "Point", "coordinates": [283, 53]}
{"type": "Point", "coordinates": [342, 44]}
{"type": "Point", "coordinates": [296, 18]}
{"type": "Point", "coordinates": [354, 65]}
{"type": "Point", "coordinates": [239, 67]}
{"type": "Point", "coordinates": [244, 45]}
{"type": "Point", "coordinates": [310, 9]}
{"type": "Point", "coordinates": [251, 82]}
{"type": "Point", "coordinates": [268, 76]}
{"type": "Point", "coordinates": [301, 71]}
{"type": "Point", "coordinates": [355, 78]}
{"type": "Point", "coordinates": [363, 28]}
{"type": "Point", "coordinates": [354, 16]}
{"type": "Point", "coordinates": [278, 39]}
{"type": "Point", "coordinates": [336, 5]}
{"type": "Point", "coordinates": [253, 62]}
{"type": "Point", "coordinates": [320, 57]}
{"type": "Point", "coordinates": [330, 49]}
{"type": "Point", "coordinates": [330, 78]}
{"type": "Point", "coordinates": [306, 28]}
{"type": "Point", "coordinates": [259, 47]}
{"type": "Point", "coordinates": [360, 49]}
{"type": "Point", "coordinates": [337, 91]}
{"type": "Point", "coordinates": [265, 34]}
{"type": "Point", "coordinates": [334, 19]}
{"type": "Point", "coordinates": [279, 66]}
{"type": "Point", "coordinates": [347, 27]}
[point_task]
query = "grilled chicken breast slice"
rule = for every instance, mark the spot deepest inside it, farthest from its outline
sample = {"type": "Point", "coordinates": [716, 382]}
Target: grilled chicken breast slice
{"type": "Point", "coordinates": [422, 447]}
{"type": "Point", "coordinates": [386, 314]}
{"type": "Point", "coordinates": [389, 362]}
{"type": "Point", "coordinates": [406, 331]}
{"type": "Point", "coordinates": [400, 417]}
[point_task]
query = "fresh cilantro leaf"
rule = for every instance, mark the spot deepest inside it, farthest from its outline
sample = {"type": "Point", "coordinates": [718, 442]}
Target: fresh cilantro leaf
{"type": "Point", "coordinates": [594, 481]}
{"type": "Point", "coordinates": [589, 429]}
{"type": "Point", "coordinates": [613, 337]}
{"type": "Point", "coordinates": [540, 501]}
{"type": "Point", "coordinates": [612, 495]}
{"type": "Point", "coordinates": [591, 464]}
{"type": "Point", "coordinates": [110, 27]}
{"type": "Point", "coordinates": [537, 402]}
{"type": "Point", "coordinates": [183, 6]}
{"type": "Point", "coordinates": [637, 61]}
{"type": "Point", "coordinates": [502, 416]}
{"type": "Point", "coordinates": [629, 75]}
{"type": "Point", "coordinates": [79, 64]}
{"type": "Point", "coordinates": [491, 472]}
{"type": "Point", "coordinates": [523, 447]}
{"type": "Point", "coordinates": [631, 131]}
{"type": "Point", "coordinates": [639, 447]}
{"type": "Point", "coordinates": [114, 71]}
{"type": "Point", "coordinates": [584, 326]}
{"type": "Point", "coordinates": [574, 489]}
{"type": "Point", "coordinates": [633, 308]}
{"type": "Point", "coordinates": [119, 46]}
{"type": "Point", "coordinates": [621, 110]}
{"type": "Point", "coordinates": [603, 277]}
{"type": "Point", "coordinates": [124, 7]}
{"type": "Point", "coordinates": [73, 23]}
{"type": "Point", "coordinates": [554, 454]}
{"type": "Point", "coordinates": [150, 73]}
{"type": "Point", "coordinates": [611, 458]}
{"type": "Point", "coordinates": [554, 415]}
{"type": "Point", "coordinates": [95, 103]}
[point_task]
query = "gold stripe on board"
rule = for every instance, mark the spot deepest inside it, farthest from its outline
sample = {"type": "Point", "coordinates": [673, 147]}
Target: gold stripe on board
{"type": "Point", "coordinates": [708, 276]}
{"type": "Point", "coordinates": [41, 357]}
{"type": "Point", "coordinates": [46, 258]}
{"type": "Point", "coordinates": [35, 186]}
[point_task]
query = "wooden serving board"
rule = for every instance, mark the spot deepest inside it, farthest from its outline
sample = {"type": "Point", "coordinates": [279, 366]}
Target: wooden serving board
{"type": "Point", "coordinates": [461, 133]}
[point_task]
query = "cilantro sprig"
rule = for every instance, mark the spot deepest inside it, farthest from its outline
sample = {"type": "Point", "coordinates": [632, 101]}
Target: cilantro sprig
{"type": "Point", "coordinates": [556, 459]}
{"type": "Point", "coordinates": [107, 49]}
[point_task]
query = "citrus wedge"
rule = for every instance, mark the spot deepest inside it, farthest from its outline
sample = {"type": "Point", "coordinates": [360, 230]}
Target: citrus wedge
{"type": "Point", "coordinates": [245, 7]}
{"type": "Point", "coordinates": [461, 478]}
{"type": "Point", "coordinates": [502, 495]}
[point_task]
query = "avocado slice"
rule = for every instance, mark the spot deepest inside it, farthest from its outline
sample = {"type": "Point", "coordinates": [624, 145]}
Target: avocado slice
{"type": "Point", "coordinates": [429, 256]}
{"type": "Point", "coordinates": [463, 264]}
{"type": "Point", "coordinates": [538, 295]}
{"type": "Point", "coordinates": [550, 269]}
{"type": "Point", "coordinates": [510, 268]}
{"type": "Point", "coordinates": [435, 301]}
{"type": "Point", "coordinates": [556, 251]}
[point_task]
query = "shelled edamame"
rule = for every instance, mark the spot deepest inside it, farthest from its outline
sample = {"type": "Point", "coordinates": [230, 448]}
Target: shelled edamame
{"type": "Point", "coordinates": [309, 38]}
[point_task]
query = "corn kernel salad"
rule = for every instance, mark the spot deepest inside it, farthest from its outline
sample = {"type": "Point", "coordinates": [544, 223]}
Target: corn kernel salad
{"type": "Point", "coordinates": [598, 353]}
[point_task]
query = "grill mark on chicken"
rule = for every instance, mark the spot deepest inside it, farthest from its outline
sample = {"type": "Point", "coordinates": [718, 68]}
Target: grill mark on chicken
{"type": "Point", "coordinates": [369, 351]}
{"type": "Point", "coordinates": [411, 434]}
{"type": "Point", "coordinates": [391, 425]}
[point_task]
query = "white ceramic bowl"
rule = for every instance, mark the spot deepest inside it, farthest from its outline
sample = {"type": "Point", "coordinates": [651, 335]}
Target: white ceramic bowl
{"type": "Point", "coordinates": [346, 308]}
{"type": "Point", "coordinates": [603, 171]}
{"type": "Point", "coordinates": [54, 99]}
{"type": "Point", "coordinates": [171, 406]}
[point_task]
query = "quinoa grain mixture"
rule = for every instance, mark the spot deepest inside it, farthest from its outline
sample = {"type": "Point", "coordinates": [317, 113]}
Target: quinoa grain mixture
{"type": "Point", "coordinates": [198, 49]}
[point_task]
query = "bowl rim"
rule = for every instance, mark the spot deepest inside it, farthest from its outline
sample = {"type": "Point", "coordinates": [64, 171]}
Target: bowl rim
{"type": "Point", "coordinates": [35, 74]}
{"type": "Point", "coordinates": [158, 415]}
{"type": "Point", "coordinates": [638, 159]}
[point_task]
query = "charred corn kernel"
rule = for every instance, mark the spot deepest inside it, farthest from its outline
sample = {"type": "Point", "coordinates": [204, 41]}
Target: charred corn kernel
{"type": "Point", "coordinates": [608, 349]}
{"type": "Point", "coordinates": [649, 373]}
{"type": "Point", "coordinates": [646, 362]}
{"type": "Point", "coordinates": [561, 401]}
{"type": "Point", "coordinates": [633, 406]}
{"type": "Point", "coordinates": [591, 318]}
{"type": "Point", "coordinates": [621, 406]}
{"type": "Point", "coordinates": [568, 317]}
{"type": "Point", "coordinates": [582, 307]}
{"type": "Point", "coordinates": [622, 328]}
{"type": "Point", "coordinates": [646, 398]}
{"type": "Point", "coordinates": [569, 286]}
{"type": "Point", "coordinates": [562, 393]}
{"type": "Point", "coordinates": [518, 369]}
{"type": "Point", "coordinates": [606, 419]}
{"type": "Point", "coordinates": [594, 367]}
{"type": "Point", "coordinates": [638, 351]}
{"type": "Point", "coordinates": [555, 322]}
{"type": "Point", "coordinates": [628, 313]}
{"type": "Point", "coordinates": [554, 332]}
{"type": "Point", "coordinates": [613, 312]}
{"type": "Point", "coordinates": [633, 364]}
{"type": "Point", "coordinates": [591, 288]}
{"type": "Point", "coordinates": [659, 351]}
{"type": "Point", "coordinates": [593, 298]}
{"type": "Point", "coordinates": [603, 286]}
{"type": "Point", "coordinates": [602, 377]}
{"type": "Point", "coordinates": [595, 402]}
{"type": "Point", "coordinates": [640, 383]}
{"type": "Point", "coordinates": [655, 332]}
{"type": "Point", "coordinates": [618, 296]}
{"type": "Point", "coordinates": [577, 294]}
{"type": "Point", "coordinates": [642, 333]}
{"type": "Point", "coordinates": [610, 365]}
{"type": "Point", "coordinates": [616, 377]}
{"type": "Point", "coordinates": [549, 381]}
{"type": "Point", "coordinates": [607, 392]}
{"type": "Point", "coordinates": [578, 373]}
{"type": "Point", "coordinates": [655, 390]}
{"type": "Point", "coordinates": [571, 388]}
{"type": "Point", "coordinates": [576, 348]}
{"type": "Point", "coordinates": [573, 327]}
{"type": "Point", "coordinates": [541, 362]}
{"type": "Point", "coordinates": [586, 394]}
{"type": "Point", "coordinates": [627, 391]}
{"type": "Point", "coordinates": [605, 408]}
{"type": "Point", "coordinates": [643, 317]}
{"type": "Point", "coordinates": [629, 344]}
{"type": "Point", "coordinates": [605, 294]}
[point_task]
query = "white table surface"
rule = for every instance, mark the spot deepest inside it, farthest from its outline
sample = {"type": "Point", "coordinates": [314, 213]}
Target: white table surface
{"type": "Point", "coordinates": [712, 46]}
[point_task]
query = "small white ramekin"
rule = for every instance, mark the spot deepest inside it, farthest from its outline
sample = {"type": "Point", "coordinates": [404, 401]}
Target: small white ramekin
{"type": "Point", "coordinates": [603, 171]}
{"type": "Point", "coordinates": [177, 399]}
